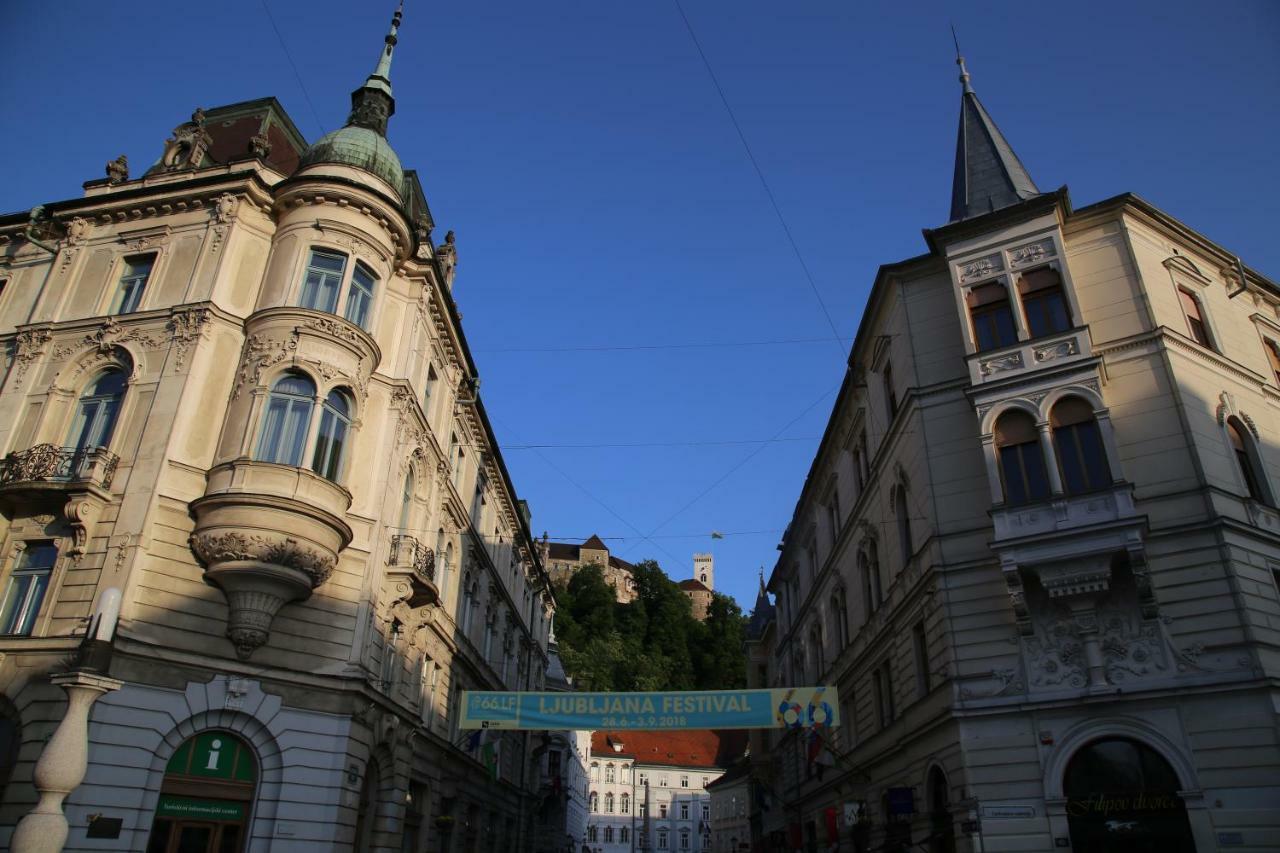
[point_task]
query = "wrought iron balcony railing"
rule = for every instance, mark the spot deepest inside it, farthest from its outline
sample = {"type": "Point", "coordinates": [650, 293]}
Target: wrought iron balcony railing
{"type": "Point", "coordinates": [49, 463]}
{"type": "Point", "coordinates": [408, 552]}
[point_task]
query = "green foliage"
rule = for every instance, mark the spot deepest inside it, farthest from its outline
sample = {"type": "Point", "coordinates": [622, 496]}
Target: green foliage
{"type": "Point", "coordinates": [652, 643]}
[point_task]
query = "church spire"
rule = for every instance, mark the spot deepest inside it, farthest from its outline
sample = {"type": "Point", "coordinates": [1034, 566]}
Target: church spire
{"type": "Point", "coordinates": [988, 175]}
{"type": "Point", "coordinates": [372, 104]}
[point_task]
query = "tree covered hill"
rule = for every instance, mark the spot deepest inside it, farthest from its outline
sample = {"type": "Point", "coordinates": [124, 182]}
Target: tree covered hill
{"type": "Point", "coordinates": [652, 643]}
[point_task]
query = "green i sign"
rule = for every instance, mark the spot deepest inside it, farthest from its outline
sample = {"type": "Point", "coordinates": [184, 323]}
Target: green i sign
{"type": "Point", "coordinates": [214, 755]}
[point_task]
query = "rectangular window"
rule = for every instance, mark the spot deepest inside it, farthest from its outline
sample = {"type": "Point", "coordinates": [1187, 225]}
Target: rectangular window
{"type": "Point", "coordinates": [360, 295]}
{"type": "Point", "coordinates": [1273, 355]}
{"type": "Point", "coordinates": [1195, 318]}
{"type": "Point", "coordinates": [684, 810]}
{"type": "Point", "coordinates": [884, 694]}
{"type": "Point", "coordinates": [1044, 303]}
{"type": "Point", "coordinates": [992, 317]}
{"type": "Point", "coordinates": [323, 278]}
{"type": "Point", "coordinates": [26, 589]}
{"type": "Point", "coordinates": [662, 810]}
{"type": "Point", "coordinates": [833, 515]}
{"type": "Point", "coordinates": [920, 645]}
{"type": "Point", "coordinates": [684, 780]}
{"type": "Point", "coordinates": [137, 269]}
{"type": "Point", "coordinates": [429, 388]}
{"type": "Point", "coordinates": [890, 395]}
{"type": "Point", "coordinates": [663, 782]}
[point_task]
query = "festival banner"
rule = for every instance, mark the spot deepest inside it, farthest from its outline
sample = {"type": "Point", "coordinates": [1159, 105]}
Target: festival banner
{"type": "Point", "coordinates": [785, 708]}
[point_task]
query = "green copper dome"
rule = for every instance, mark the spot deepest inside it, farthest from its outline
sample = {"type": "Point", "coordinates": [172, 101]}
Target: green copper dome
{"type": "Point", "coordinates": [360, 147]}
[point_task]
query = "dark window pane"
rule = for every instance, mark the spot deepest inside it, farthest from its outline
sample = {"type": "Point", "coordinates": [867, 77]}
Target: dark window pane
{"type": "Point", "coordinates": [1084, 465]}
{"type": "Point", "coordinates": [1033, 466]}
{"type": "Point", "coordinates": [1046, 313]}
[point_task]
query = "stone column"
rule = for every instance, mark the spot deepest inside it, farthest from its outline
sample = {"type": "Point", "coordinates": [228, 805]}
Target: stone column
{"type": "Point", "coordinates": [1050, 458]}
{"type": "Point", "coordinates": [62, 765]}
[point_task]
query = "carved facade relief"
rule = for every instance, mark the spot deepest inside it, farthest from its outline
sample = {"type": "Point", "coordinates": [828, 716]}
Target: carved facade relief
{"type": "Point", "coordinates": [1058, 349]}
{"type": "Point", "coordinates": [186, 148]}
{"type": "Point", "coordinates": [1000, 363]}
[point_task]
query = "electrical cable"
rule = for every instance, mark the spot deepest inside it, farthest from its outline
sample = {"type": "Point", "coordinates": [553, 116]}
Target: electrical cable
{"type": "Point", "coordinates": [298, 76]}
{"type": "Point", "coordinates": [786, 229]}
{"type": "Point", "coordinates": [642, 347]}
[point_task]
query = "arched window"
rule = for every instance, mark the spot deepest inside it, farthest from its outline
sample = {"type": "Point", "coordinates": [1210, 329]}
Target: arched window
{"type": "Point", "coordinates": [1079, 445]}
{"type": "Point", "coordinates": [594, 803]}
{"type": "Point", "coordinates": [610, 772]}
{"type": "Point", "coordinates": [96, 415]}
{"type": "Point", "coordinates": [624, 806]}
{"type": "Point", "coordinates": [335, 422]}
{"type": "Point", "coordinates": [360, 295]}
{"type": "Point", "coordinates": [992, 317]}
{"type": "Point", "coordinates": [869, 569]}
{"type": "Point", "coordinates": [1246, 459]}
{"type": "Point", "coordinates": [608, 803]}
{"type": "Point", "coordinates": [1043, 302]}
{"type": "Point", "coordinates": [595, 771]}
{"type": "Point", "coordinates": [608, 834]}
{"type": "Point", "coordinates": [902, 513]}
{"type": "Point", "coordinates": [466, 601]}
{"type": "Point", "coordinates": [593, 832]}
{"type": "Point", "coordinates": [444, 554]}
{"type": "Point", "coordinates": [284, 429]}
{"type": "Point", "coordinates": [406, 500]}
{"type": "Point", "coordinates": [815, 646]}
{"type": "Point", "coordinates": [840, 619]}
{"type": "Point", "coordinates": [1022, 471]}
{"type": "Point", "coordinates": [624, 834]}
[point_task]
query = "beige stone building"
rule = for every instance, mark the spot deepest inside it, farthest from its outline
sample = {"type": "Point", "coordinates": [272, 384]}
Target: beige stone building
{"type": "Point", "coordinates": [237, 403]}
{"type": "Point", "coordinates": [1037, 551]}
{"type": "Point", "coordinates": [563, 559]}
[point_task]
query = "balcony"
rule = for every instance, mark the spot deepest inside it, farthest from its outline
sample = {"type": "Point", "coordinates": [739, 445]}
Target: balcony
{"type": "Point", "coordinates": [1042, 523]}
{"type": "Point", "coordinates": [76, 479]}
{"type": "Point", "coordinates": [267, 534]}
{"type": "Point", "coordinates": [47, 467]}
{"type": "Point", "coordinates": [411, 568]}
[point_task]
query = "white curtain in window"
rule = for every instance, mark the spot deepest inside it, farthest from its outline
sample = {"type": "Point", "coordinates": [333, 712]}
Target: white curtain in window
{"type": "Point", "coordinates": [284, 429]}
{"type": "Point", "coordinates": [323, 278]}
{"type": "Point", "coordinates": [96, 415]}
{"type": "Point", "coordinates": [335, 422]}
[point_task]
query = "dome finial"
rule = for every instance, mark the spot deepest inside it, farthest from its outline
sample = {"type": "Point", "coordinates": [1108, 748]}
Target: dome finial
{"type": "Point", "coordinates": [964, 72]}
{"type": "Point", "coordinates": [372, 104]}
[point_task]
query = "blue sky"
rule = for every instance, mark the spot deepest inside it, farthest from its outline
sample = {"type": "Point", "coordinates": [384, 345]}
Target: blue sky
{"type": "Point", "coordinates": [602, 197]}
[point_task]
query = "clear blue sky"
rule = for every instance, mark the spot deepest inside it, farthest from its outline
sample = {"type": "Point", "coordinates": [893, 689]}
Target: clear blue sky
{"type": "Point", "coordinates": [602, 197]}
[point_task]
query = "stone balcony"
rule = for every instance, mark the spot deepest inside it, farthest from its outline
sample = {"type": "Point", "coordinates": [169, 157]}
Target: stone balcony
{"type": "Point", "coordinates": [267, 534]}
{"type": "Point", "coordinates": [1031, 526]}
{"type": "Point", "coordinates": [1028, 356]}
{"type": "Point", "coordinates": [75, 479]}
{"type": "Point", "coordinates": [411, 566]}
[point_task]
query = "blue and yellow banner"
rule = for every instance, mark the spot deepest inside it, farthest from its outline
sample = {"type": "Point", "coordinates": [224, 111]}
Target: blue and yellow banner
{"type": "Point", "coordinates": [794, 707]}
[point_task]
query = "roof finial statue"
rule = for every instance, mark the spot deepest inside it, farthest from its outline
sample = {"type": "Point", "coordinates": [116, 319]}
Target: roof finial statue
{"type": "Point", "coordinates": [964, 72]}
{"type": "Point", "coordinates": [372, 104]}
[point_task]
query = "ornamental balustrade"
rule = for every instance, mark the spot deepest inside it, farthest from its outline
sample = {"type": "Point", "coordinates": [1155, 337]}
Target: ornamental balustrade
{"type": "Point", "coordinates": [52, 464]}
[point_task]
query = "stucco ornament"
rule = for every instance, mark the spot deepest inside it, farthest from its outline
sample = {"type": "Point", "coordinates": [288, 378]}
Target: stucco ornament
{"type": "Point", "coordinates": [28, 348]}
{"type": "Point", "coordinates": [187, 147]}
{"type": "Point", "coordinates": [260, 145]}
{"type": "Point", "coordinates": [118, 170]}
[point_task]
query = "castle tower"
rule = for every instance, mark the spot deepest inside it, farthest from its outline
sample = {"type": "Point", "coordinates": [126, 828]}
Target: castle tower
{"type": "Point", "coordinates": [704, 570]}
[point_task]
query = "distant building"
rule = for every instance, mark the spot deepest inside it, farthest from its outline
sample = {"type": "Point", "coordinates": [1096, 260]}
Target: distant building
{"type": "Point", "coordinates": [564, 559]}
{"type": "Point", "coordinates": [560, 796]}
{"type": "Point", "coordinates": [647, 790]}
{"type": "Point", "coordinates": [701, 587]}
{"type": "Point", "coordinates": [731, 810]}
{"type": "Point", "coordinates": [699, 597]}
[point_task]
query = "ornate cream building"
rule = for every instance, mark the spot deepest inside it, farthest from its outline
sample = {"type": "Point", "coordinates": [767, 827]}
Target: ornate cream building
{"type": "Point", "coordinates": [1037, 551]}
{"type": "Point", "coordinates": [237, 404]}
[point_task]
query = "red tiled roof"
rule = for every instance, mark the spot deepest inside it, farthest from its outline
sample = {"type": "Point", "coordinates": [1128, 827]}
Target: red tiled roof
{"type": "Point", "coordinates": [692, 748]}
{"type": "Point", "coordinates": [694, 584]}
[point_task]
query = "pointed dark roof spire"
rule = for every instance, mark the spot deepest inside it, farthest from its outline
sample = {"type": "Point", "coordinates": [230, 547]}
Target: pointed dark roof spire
{"type": "Point", "coordinates": [372, 104]}
{"type": "Point", "coordinates": [988, 175]}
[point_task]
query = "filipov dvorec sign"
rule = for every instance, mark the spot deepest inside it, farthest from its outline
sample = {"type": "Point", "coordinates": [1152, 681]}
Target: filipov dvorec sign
{"type": "Point", "coordinates": [794, 707]}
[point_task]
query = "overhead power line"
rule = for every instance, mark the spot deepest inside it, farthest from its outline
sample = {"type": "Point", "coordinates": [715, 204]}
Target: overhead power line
{"type": "Point", "coordinates": [641, 347]}
{"type": "Point", "coordinates": [782, 220]}
{"type": "Point", "coordinates": [285, 49]}
{"type": "Point", "coordinates": [714, 534]}
{"type": "Point", "coordinates": [727, 442]}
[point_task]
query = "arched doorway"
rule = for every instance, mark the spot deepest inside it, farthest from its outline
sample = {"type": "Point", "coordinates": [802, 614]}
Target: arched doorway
{"type": "Point", "coordinates": [942, 830]}
{"type": "Point", "coordinates": [206, 796]}
{"type": "Point", "coordinates": [1123, 796]}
